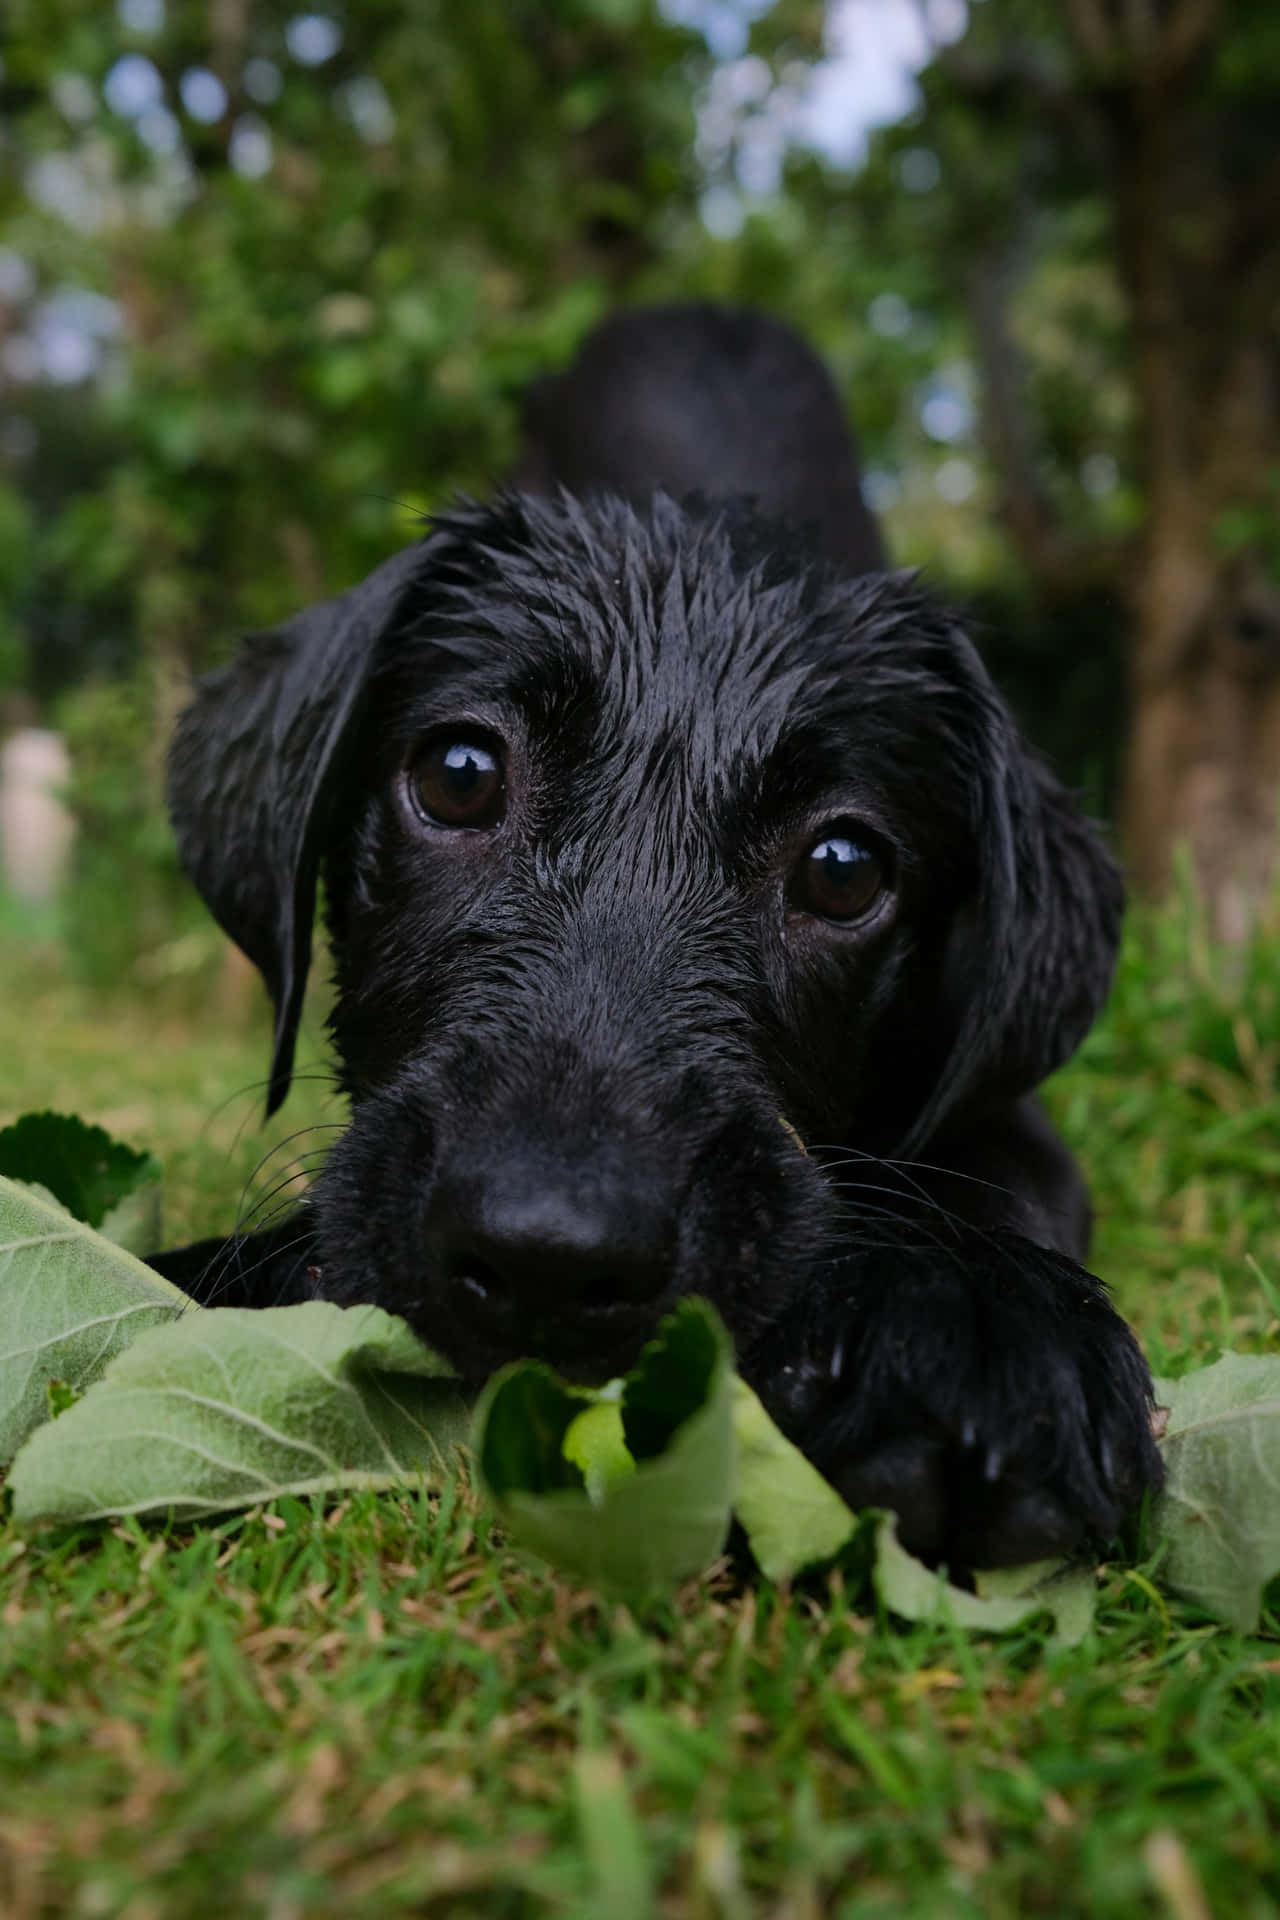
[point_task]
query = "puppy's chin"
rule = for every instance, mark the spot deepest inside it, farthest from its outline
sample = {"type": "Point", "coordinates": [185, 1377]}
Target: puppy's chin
{"type": "Point", "coordinates": [588, 1345]}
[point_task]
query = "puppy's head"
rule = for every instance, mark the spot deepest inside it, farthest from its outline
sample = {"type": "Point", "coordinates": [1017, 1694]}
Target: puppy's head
{"type": "Point", "coordinates": [650, 851]}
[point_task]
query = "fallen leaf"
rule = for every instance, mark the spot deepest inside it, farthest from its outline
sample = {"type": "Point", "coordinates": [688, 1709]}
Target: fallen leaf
{"type": "Point", "coordinates": [792, 1517]}
{"type": "Point", "coordinates": [643, 1531]}
{"type": "Point", "coordinates": [101, 1181]}
{"type": "Point", "coordinates": [1004, 1599]}
{"type": "Point", "coordinates": [1219, 1516]}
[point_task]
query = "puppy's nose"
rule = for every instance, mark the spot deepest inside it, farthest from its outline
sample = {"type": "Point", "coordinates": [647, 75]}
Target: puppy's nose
{"type": "Point", "coordinates": [540, 1246]}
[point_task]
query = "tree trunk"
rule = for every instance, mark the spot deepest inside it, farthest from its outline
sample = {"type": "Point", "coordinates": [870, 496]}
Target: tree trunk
{"type": "Point", "coordinates": [1203, 769]}
{"type": "Point", "coordinates": [1203, 765]}
{"type": "Point", "coordinates": [1186, 163]}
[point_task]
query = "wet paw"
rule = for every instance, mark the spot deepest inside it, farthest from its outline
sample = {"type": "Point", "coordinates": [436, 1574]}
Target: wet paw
{"type": "Point", "coordinates": [988, 1394]}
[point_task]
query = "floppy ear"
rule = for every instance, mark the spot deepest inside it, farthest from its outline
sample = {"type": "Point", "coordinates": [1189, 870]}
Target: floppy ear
{"type": "Point", "coordinates": [1030, 960]}
{"type": "Point", "coordinates": [252, 769]}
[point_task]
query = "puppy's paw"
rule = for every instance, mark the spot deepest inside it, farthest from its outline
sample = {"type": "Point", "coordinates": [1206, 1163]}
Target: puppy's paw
{"type": "Point", "coordinates": [989, 1395]}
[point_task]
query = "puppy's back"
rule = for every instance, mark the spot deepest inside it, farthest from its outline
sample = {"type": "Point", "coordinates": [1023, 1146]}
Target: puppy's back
{"type": "Point", "coordinates": [703, 399]}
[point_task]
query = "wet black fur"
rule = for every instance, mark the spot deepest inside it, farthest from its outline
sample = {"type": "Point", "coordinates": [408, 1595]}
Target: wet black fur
{"type": "Point", "coordinates": [571, 1042]}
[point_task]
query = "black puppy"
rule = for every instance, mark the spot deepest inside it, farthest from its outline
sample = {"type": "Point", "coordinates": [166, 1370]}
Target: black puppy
{"type": "Point", "coordinates": [701, 925]}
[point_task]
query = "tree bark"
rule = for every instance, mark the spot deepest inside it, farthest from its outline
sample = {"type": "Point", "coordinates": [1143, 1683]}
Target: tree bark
{"type": "Point", "coordinates": [1203, 764]}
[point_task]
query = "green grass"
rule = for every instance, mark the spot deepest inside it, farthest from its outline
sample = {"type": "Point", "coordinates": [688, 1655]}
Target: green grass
{"type": "Point", "coordinates": [373, 1707]}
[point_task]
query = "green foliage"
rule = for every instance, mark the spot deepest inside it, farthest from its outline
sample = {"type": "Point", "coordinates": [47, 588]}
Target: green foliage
{"type": "Point", "coordinates": [310, 357]}
{"type": "Point", "coordinates": [1253, 525]}
{"type": "Point", "coordinates": [15, 557]}
{"type": "Point", "coordinates": [129, 904]}
{"type": "Point", "coordinates": [85, 1170]}
{"type": "Point", "coordinates": [307, 360]}
{"type": "Point", "coordinates": [447, 198]}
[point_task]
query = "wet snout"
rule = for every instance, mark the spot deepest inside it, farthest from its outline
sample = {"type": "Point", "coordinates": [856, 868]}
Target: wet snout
{"type": "Point", "coordinates": [531, 1238]}
{"type": "Point", "coordinates": [529, 1241]}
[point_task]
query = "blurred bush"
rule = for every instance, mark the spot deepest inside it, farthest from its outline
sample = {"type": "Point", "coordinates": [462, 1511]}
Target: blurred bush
{"type": "Point", "coordinates": [129, 915]}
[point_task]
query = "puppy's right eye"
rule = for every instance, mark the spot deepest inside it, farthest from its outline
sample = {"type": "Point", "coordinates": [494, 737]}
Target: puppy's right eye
{"type": "Point", "coordinates": [459, 783]}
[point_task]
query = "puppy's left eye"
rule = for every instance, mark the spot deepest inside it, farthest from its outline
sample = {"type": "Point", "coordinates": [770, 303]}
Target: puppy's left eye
{"type": "Point", "coordinates": [840, 878]}
{"type": "Point", "coordinates": [459, 783]}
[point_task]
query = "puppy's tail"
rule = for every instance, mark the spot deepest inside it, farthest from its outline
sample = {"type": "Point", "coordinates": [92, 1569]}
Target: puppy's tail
{"type": "Point", "coordinates": [700, 399]}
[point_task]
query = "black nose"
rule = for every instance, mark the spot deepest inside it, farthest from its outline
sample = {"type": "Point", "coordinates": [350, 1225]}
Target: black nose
{"type": "Point", "coordinates": [530, 1241]}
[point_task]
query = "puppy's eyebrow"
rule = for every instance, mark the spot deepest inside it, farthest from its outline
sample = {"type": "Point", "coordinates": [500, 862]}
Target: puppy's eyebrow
{"type": "Point", "coordinates": [809, 760]}
{"type": "Point", "coordinates": [557, 690]}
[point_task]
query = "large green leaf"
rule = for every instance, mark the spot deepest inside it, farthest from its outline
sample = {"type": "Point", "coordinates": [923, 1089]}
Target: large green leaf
{"type": "Point", "coordinates": [1219, 1517]}
{"type": "Point", "coordinates": [69, 1300]}
{"type": "Point", "coordinates": [229, 1407]}
{"type": "Point", "coordinates": [633, 1532]}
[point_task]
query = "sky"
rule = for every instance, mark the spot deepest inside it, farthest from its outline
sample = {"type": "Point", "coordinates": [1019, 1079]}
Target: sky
{"type": "Point", "coordinates": [876, 48]}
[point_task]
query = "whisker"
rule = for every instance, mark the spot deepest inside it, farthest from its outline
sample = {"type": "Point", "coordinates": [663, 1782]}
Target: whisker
{"type": "Point", "coordinates": [919, 1230]}
{"type": "Point", "coordinates": [254, 1218]}
{"type": "Point", "coordinates": [851, 1156]}
{"type": "Point", "coordinates": [911, 1201]}
{"type": "Point", "coordinates": [903, 1167]}
{"type": "Point", "coordinates": [324, 1126]}
{"type": "Point", "coordinates": [325, 1076]}
{"type": "Point", "coordinates": [233, 1272]}
{"type": "Point", "coordinates": [263, 1218]}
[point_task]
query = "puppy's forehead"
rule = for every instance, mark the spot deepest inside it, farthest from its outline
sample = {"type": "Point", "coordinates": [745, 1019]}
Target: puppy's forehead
{"type": "Point", "coordinates": [692, 654]}
{"type": "Point", "coordinates": [712, 638]}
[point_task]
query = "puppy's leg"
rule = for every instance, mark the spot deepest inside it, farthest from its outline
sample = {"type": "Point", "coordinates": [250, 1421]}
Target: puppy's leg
{"type": "Point", "coordinates": [267, 1269]}
{"type": "Point", "coordinates": [980, 1386]}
